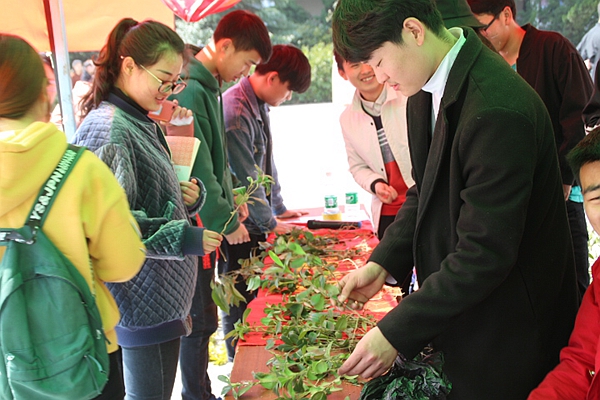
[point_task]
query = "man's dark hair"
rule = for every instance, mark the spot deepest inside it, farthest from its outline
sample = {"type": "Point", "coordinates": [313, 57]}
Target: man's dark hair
{"type": "Point", "coordinates": [291, 65]}
{"type": "Point", "coordinates": [247, 32]}
{"type": "Point", "coordinates": [339, 60]}
{"type": "Point", "coordinates": [493, 7]}
{"type": "Point", "coordinates": [586, 151]}
{"type": "Point", "coordinates": [362, 26]}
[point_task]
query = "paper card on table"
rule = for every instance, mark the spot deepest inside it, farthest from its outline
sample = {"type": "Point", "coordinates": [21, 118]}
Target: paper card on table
{"type": "Point", "coordinates": [183, 154]}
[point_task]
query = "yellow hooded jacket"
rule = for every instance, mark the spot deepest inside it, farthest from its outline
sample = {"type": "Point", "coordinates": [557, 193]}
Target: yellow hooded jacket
{"type": "Point", "coordinates": [90, 220]}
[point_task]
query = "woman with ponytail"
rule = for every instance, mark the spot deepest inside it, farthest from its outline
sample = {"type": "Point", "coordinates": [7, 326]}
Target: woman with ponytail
{"type": "Point", "coordinates": [136, 71]}
{"type": "Point", "coordinates": [89, 222]}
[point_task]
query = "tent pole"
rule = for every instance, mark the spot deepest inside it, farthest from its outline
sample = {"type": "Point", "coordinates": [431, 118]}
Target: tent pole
{"type": "Point", "coordinates": [58, 44]}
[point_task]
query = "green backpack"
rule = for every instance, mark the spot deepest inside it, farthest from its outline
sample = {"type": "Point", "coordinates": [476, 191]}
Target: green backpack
{"type": "Point", "coordinates": [51, 335]}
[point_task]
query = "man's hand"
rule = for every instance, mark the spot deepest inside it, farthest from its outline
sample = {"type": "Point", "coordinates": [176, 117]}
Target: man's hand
{"type": "Point", "coordinates": [190, 191]}
{"type": "Point", "coordinates": [283, 228]}
{"type": "Point", "coordinates": [243, 212]}
{"type": "Point", "coordinates": [210, 241]}
{"type": "Point", "coordinates": [360, 285]}
{"type": "Point", "coordinates": [289, 214]}
{"type": "Point", "coordinates": [385, 192]}
{"type": "Point", "coordinates": [372, 357]}
{"type": "Point", "coordinates": [239, 236]}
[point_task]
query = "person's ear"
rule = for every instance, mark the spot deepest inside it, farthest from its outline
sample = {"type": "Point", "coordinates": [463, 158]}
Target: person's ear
{"type": "Point", "coordinates": [415, 30]}
{"type": "Point", "coordinates": [127, 65]}
{"type": "Point", "coordinates": [272, 77]}
{"type": "Point", "coordinates": [506, 15]}
{"type": "Point", "coordinates": [225, 45]}
{"type": "Point", "coordinates": [343, 74]}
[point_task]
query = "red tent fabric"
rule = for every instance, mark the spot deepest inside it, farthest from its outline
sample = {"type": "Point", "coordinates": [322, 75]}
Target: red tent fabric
{"type": "Point", "coordinates": [195, 10]}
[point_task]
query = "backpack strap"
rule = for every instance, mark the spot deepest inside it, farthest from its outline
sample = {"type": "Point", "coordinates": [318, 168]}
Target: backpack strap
{"type": "Point", "coordinates": [49, 190]}
{"type": "Point", "coordinates": [46, 197]}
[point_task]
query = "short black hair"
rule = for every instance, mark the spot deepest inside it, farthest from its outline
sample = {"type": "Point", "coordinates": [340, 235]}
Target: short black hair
{"type": "Point", "coordinates": [247, 32]}
{"type": "Point", "coordinates": [586, 151]}
{"type": "Point", "coordinates": [339, 60]}
{"type": "Point", "coordinates": [362, 26]}
{"type": "Point", "coordinates": [492, 7]}
{"type": "Point", "coordinates": [291, 65]}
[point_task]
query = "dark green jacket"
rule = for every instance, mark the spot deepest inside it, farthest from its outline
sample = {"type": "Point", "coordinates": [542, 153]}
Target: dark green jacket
{"type": "Point", "coordinates": [202, 97]}
{"type": "Point", "coordinates": [486, 228]}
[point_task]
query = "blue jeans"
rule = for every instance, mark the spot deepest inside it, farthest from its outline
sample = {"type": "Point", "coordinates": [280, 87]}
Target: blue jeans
{"type": "Point", "coordinates": [193, 355]}
{"type": "Point", "coordinates": [150, 371]}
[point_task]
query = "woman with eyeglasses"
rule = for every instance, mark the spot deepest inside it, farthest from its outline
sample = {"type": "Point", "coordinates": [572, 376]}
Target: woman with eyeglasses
{"type": "Point", "coordinates": [136, 71]}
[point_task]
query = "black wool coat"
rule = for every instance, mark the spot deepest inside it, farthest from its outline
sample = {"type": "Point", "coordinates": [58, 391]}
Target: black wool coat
{"type": "Point", "coordinates": [486, 228]}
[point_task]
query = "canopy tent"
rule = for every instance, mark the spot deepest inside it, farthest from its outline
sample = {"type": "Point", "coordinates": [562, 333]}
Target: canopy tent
{"type": "Point", "coordinates": [87, 22]}
{"type": "Point", "coordinates": [63, 26]}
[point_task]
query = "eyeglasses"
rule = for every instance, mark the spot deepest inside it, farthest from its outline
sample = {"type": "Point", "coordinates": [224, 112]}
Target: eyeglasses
{"type": "Point", "coordinates": [167, 86]}
{"type": "Point", "coordinates": [486, 27]}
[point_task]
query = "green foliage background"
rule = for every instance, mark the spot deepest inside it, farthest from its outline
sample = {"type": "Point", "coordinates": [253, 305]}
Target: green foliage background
{"type": "Point", "coordinates": [572, 18]}
{"type": "Point", "coordinates": [288, 23]}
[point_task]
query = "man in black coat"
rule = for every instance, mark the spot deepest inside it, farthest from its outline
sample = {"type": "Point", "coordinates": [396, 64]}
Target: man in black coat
{"type": "Point", "coordinates": [485, 225]}
{"type": "Point", "coordinates": [555, 70]}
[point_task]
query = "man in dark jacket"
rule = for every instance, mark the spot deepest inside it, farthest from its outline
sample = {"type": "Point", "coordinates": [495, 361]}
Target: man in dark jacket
{"type": "Point", "coordinates": [485, 224]}
{"type": "Point", "coordinates": [554, 68]}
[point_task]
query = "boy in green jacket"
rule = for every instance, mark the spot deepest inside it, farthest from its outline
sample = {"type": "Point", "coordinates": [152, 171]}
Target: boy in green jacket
{"type": "Point", "coordinates": [240, 41]}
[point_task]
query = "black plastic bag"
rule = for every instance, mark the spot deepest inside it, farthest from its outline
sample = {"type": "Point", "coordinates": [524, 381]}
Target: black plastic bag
{"type": "Point", "coordinates": [419, 379]}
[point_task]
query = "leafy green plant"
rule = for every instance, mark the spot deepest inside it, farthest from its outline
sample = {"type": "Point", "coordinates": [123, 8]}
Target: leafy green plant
{"type": "Point", "coordinates": [418, 379]}
{"type": "Point", "coordinates": [243, 195]}
{"type": "Point", "coordinates": [309, 337]}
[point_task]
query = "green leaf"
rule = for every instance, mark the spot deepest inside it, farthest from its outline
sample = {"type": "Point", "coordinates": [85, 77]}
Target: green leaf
{"type": "Point", "coordinates": [319, 396]}
{"type": "Point", "coordinates": [321, 367]}
{"type": "Point", "coordinates": [275, 258]}
{"type": "Point", "coordinates": [342, 323]}
{"type": "Point", "coordinates": [295, 309]}
{"type": "Point", "coordinates": [244, 389]}
{"type": "Point", "coordinates": [297, 263]}
{"type": "Point", "coordinates": [318, 301]}
{"type": "Point", "coordinates": [295, 247]}
{"type": "Point", "coordinates": [253, 283]}
{"type": "Point", "coordinates": [268, 381]}
{"type": "Point", "coordinates": [218, 297]}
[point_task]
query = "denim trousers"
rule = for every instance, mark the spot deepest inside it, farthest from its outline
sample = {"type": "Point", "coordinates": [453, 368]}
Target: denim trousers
{"type": "Point", "coordinates": [234, 253]}
{"type": "Point", "coordinates": [193, 355]}
{"type": "Point", "coordinates": [150, 371]}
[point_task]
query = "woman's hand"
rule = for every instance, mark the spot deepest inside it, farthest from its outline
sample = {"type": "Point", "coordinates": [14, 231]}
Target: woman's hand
{"type": "Point", "coordinates": [210, 241]}
{"type": "Point", "coordinates": [190, 191]}
{"type": "Point", "coordinates": [180, 113]}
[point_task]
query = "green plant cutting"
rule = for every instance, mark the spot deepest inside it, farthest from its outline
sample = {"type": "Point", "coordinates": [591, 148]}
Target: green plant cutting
{"type": "Point", "coordinates": [309, 333]}
{"type": "Point", "coordinates": [314, 337]}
